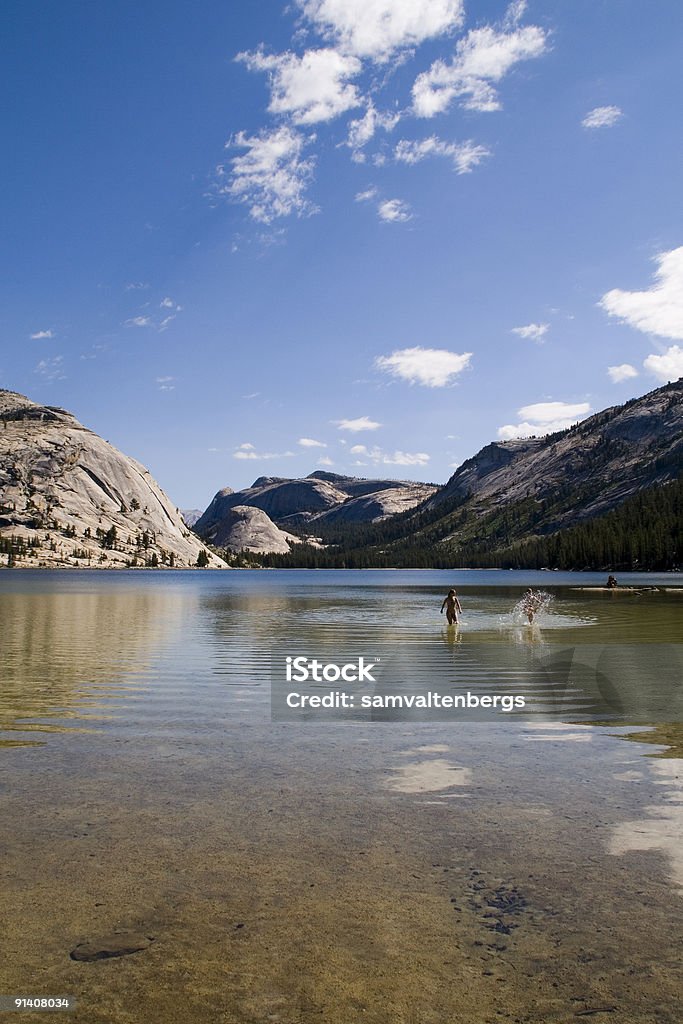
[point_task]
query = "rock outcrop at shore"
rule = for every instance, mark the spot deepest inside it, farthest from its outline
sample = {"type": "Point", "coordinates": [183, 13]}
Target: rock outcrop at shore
{"type": "Point", "coordinates": [245, 528]}
{"type": "Point", "coordinates": [69, 498]}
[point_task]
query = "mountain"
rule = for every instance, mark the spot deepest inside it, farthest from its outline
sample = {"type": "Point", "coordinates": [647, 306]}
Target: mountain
{"type": "Point", "coordinates": [520, 492]}
{"type": "Point", "coordinates": [69, 498]}
{"type": "Point", "coordinates": [246, 528]}
{"type": "Point", "coordinates": [190, 516]}
{"type": "Point", "coordinates": [314, 500]}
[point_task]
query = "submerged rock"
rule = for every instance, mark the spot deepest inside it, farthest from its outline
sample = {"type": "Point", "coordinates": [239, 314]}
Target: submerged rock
{"type": "Point", "coordinates": [108, 946]}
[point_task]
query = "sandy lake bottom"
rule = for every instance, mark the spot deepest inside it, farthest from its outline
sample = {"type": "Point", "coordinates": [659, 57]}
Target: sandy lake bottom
{"type": "Point", "coordinates": [525, 869]}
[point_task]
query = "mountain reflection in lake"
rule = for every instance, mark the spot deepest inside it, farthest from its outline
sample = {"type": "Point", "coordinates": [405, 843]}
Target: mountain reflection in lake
{"type": "Point", "coordinates": [388, 871]}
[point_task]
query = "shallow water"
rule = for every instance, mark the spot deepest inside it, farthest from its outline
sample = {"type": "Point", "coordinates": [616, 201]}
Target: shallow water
{"type": "Point", "coordinates": [524, 868]}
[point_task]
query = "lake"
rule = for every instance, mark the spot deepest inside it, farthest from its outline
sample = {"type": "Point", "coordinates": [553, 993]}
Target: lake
{"type": "Point", "coordinates": [255, 862]}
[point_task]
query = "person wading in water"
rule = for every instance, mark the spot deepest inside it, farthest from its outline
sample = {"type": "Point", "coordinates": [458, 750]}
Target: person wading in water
{"type": "Point", "coordinates": [452, 606]}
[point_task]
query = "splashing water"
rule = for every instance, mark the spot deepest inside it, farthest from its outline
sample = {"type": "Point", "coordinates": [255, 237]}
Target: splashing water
{"type": "Point", "coordinates": [534, 604]}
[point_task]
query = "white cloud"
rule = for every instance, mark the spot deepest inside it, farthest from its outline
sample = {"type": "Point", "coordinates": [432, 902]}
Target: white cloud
{"type": "Point", "coordinates": [166, 383]}
{"type": "Point", "coordinates": [394, 211]}
{"type": "Point", "coordinates": [362, 423]}
{"type": "Point", "coordinates": [247, 451]}
{"type": "Point", "coordinates": [622, 372]}
{"type": "Point", "coordinates": [602, 117]}
{"type": "Point", "coordinates": [536, 332]}
{"type": "Point", "coordinates": [139, 321]}
{"type": "Point", "coordinates": [325, 461]}
{"type": "Point", "coordinates": [311, 88]}
{"type": "Point", "coordinates": [271, 177]}
{"type": "Point", "coordinates": [668, 366]}
{"type": "Point", "coordinates": [484, 56]}
{"type": "Point", "coordinates": [398, 458]}
{"type": "Point", "coordinates": [309, 442]}
{"type": "Point", "coordinates": [134, 286]}
{"type": "Point", "coordinates": [659, 310]}
{"type": "Point", "coordinates": [544, 418]}
{"type": "Point", "coordinates": [464, 155]}
{"type": "Point", "coordinates": [432, 367]}
{"type": "Point", "coordinates": [363, 129]}
{"type": "Point", "coordinates": [51, 369]}
{"type": "Point", "coordinates": [170, 304]}
{"type": "Point", "coordinates": [246, 447]}
{"type": "Point", "coordinates": [364, 197]}
{"type": "Point", "coordinates": [377, 28]}
{"type": "Point", "coordinates": [40, 335]}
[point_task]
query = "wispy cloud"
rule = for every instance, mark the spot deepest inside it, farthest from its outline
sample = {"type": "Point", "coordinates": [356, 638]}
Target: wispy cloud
{"type": "Point", "coordinates": [135, 286]}
{"type": "Point", "coordinates": [51, 369]}
{"type": "Point", "coordinates": [139, 321]}
{"type": "Point", "coordinates": [165, 383]}
{"type": "Point", "coordinates": [394, 211]}
{"type": "Point", "coordinates": [325, 460]}
{"type": "Point", "coordinates": [657, 310]}
{"type": "Point", "coordinates": [536, 332]}
{"type": "Point", "coordinates": [366, 196]}
{"type": "Point", "coordinates": [41, 335]}
{"type": "Point", "coordinates": [272, 176]}
{"type": "Point", "coordinates": [483, 57]}
{"type": "Point", "coordinates": [363, 129]}
{"type": "Point", "coordinates": [431, 367]}
{"type": "Point", "coordinates": [309, 442]}
{"type": "Point", "coordinates": [602, 117]}
{"type": "Point", "coordinates": [544, 418]}
{"type": "Point", "coordinates": [464, 156]}
{"type": "Point", "coordinates": [624, 371]}
{"type": "Point", "coordinates": [376, 456]}
{"type": "Point", "coordinates": [248, 451]}
{"type": "Point", "coordinates": [379, 28]}
{"type": "Point", "coordinates": [355, 426]}
{"type": "Point", "coordinates": [312, 88]}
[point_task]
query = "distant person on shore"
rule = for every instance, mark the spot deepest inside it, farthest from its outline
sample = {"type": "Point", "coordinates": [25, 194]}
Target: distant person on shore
{"type": "Point", "coordinates": [612, 582]}
{"type": "Point", "coordinates": [452, 606]}
{"type": "Point", "coordinates": [531, 602]}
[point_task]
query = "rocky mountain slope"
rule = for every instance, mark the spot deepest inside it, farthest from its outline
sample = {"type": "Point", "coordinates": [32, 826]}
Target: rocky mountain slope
{"type": "Point", "coordinates": [69, 498]}
{"type": "Point", "coordinates": [514, 491]}
{"type": "Point", "coordinates": [602, 461]}
{"type": "Point", "coordinates": [308, 502]}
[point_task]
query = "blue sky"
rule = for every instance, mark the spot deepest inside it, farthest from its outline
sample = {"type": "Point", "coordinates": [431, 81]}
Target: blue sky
{"type": "Point", "coordinates": [365, 235]}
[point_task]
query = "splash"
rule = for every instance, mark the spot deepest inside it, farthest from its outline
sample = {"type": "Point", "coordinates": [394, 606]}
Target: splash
{"type": "Point", "coordinates": [532, 606]}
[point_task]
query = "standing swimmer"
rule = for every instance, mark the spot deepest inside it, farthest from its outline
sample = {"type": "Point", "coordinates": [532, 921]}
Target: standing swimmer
{"type": "Point", "coordinates": [452, 606]}
{"type": "Point", "coordinates": [531, 602]}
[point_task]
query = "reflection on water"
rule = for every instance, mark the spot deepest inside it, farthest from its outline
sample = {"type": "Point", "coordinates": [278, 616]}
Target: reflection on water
{"type": "Point", "coordinates": [661, 829]}
{"type": "Point", "coordinates": [76, 657]}
{"type": "Point", "coordinates": [391, 872]}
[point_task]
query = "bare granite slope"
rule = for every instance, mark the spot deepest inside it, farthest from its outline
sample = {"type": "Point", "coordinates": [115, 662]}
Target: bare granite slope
{"type": "Point", "coordinates": [69, 498]}
{"type": "Point", "coordinates": [320, 497]}
{"type": "Point", "coordinates": [581, 472]}
{"type": "Point", "coordinates": [246, 528]}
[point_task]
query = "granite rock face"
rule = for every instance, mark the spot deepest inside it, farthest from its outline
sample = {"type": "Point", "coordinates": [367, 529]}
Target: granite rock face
{"type": "Point", "coordinates": [320, 497]}
{"type": "Point", "coordinates": [69, 498]}
{"type": "Point", "coordinates": [246, 528]}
